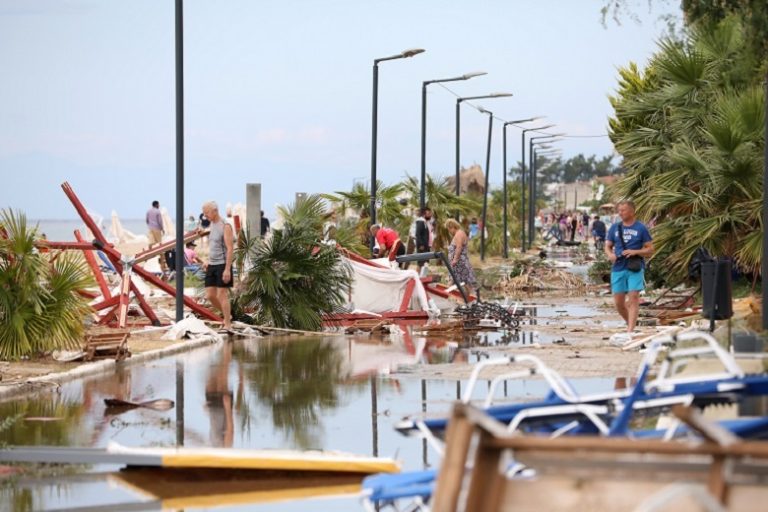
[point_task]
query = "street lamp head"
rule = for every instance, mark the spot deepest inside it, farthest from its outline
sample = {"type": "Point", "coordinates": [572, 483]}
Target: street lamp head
{"type": "Point", "coordinates": [540, 128]}
{"type": "Point", "coordinates": [521, 121]}
{"type": "Point", "coordinates": [467, 76]}
{"type": "Point", "coordinates": [411, 52]}
{"type": "Point", "coordinates": [402, 55]}
{"type": "Point", "coordinates": [484, 111]}
{"type": "Point", "coordinates": [485, 96]}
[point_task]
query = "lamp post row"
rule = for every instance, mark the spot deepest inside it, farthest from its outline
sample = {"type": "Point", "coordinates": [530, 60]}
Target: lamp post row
{"type": "Point", "coordinates": [522, 181]}
{"type": "Point", "coordinates": [505, 246]}
{"type": "Point", "coordinates": [424, 85]}
{"type": "Point", "coordinates": [532, 184]}
{"type": "Point", "coordinates": [458, 128]}
{"type": "Point", "coordinates": [422, 188]}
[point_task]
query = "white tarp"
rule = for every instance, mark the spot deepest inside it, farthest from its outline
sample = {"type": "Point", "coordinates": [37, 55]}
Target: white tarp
{"type": "Point", "coordinates": [190, 325]}
{"type": "Point", "coordinates": [380, 290]}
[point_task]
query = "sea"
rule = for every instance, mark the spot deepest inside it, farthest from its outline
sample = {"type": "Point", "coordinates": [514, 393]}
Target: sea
{"type": "Point", "coordinates": [62, 230]}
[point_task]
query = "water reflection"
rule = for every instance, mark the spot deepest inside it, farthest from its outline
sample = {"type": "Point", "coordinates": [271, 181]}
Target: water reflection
{"type": "Point", "coordinates": [298, 381]}
{"type": "Point", "coordinates": [219, 400]}
{"type": "Point", "coordinates": [50, 422]}
{"type": "Point", "coordinates": [273, 393]}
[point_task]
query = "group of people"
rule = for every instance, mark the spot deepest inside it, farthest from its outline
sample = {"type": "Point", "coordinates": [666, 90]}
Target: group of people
{"type": "Point", "coordinates": [627, 243]}
{"type": "Point", "coordinates": [218, 268]}
{"type": "Point", "coordinates": [574, 223]}
{"type": "Point", "coordinates": [387, 243]}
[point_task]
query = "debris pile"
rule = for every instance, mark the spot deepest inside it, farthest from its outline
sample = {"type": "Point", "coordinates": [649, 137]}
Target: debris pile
{"type": "Point", "coordinates": [488, 311]}
{"type": "Point", "coordinates": [539, 278]}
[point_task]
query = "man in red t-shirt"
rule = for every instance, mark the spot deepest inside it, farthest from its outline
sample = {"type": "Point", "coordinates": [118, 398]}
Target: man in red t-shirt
{"type": "Point", "coordinates": [388, 240]}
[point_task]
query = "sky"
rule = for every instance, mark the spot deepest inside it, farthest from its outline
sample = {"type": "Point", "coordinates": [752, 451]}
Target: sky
{"type": "Point", "coordinates": [278, 92]}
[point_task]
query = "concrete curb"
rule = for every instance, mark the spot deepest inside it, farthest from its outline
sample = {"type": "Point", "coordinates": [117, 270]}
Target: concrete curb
{"type": "Point", "coordinates": [99, 367]}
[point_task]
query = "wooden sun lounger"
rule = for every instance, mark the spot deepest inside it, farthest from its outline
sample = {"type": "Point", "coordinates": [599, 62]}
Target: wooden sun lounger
{"type": "Point", "coordinates": [592, 473]}
{"type": "Point", "coordinates": [107, 345]}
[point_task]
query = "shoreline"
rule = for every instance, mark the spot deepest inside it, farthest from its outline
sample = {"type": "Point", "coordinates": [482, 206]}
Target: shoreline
{"type": "Point", "coordinates": [52, 380]}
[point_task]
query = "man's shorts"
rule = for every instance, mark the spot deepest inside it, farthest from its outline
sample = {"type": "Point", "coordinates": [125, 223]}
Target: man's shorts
{"type": "Point", "coordinates": [213, 277]}
{"type": "Point", "coordinates": [623, 281]}
{"type": "Point", "coordinates": [155, 236]}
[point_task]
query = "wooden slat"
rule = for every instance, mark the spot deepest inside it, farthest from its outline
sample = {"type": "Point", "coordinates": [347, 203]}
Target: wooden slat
{"type": "Point", "coordinates": [487, 482]}
{"type": "Point", "coordinates": [451, 476]}
{"type": "Point", "coordinates": [407, 296]}
{"type": "Point", "coordinates": [91, 260]}
{"type": "Point", "coordinates": [709, 431]}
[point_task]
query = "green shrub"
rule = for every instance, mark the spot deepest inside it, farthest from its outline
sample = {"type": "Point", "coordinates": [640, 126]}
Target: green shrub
{"type": "Point", "coordinates": [40, 309]}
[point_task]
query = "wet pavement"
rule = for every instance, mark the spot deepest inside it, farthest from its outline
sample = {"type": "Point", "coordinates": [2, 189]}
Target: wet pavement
{"type": "Point", "coordinates": [298, 393]}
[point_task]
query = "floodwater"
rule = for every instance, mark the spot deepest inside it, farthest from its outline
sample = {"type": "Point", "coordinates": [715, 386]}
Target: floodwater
{"type": "Point", "coordinates": [298, 393]}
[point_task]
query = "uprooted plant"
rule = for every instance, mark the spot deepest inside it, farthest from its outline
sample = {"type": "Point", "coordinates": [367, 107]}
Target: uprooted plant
{"type": "Point", "coordinates": [292, 279]}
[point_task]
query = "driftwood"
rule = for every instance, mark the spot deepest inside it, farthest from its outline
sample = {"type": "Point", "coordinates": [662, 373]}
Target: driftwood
{"type": "Point", "coordinates": [160, 404]}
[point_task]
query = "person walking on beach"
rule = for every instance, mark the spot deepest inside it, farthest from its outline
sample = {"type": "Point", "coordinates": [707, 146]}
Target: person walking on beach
{"type": "Point", "coordinates": [598, 232]}
{"type": "Point", "coordinates": [627, 245]}
{"type": "Point", "coordinates": [264, 228]}
{"type": "Point", "coordinates": [458, 254]}
{"type": "Point", "coordinates": [574, 223]}
{"type": "Point", "coordinates": [154, 220]}
{"type": "Point", "coordinates": [218, 270]}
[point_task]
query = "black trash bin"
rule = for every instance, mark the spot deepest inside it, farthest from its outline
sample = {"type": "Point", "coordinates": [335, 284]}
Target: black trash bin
{"type": "Point", "coordinates": [716, 289]}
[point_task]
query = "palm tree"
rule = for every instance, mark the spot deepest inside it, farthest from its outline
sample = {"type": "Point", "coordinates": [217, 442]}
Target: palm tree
{"type": "Point", "coordinates": [40, 308]}
{"type": "Point", "coordinates": [293, 279]}
{"type": "Point", "coordinates": [690, 129]}
{"type": "Point", "coordinates": [389, 210]}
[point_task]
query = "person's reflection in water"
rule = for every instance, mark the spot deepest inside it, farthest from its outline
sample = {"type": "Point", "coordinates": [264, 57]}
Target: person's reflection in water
{"type": "Point", "coordinates": [218, 400]}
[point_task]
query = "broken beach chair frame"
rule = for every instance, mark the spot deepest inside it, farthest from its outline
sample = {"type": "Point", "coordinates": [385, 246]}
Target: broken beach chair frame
{"type": "Point", "coordinates": [127, 268]}
{"type": "Point", "coordinates": [607, 419]}
{"type": "Point", "coordinates": [725, 386]}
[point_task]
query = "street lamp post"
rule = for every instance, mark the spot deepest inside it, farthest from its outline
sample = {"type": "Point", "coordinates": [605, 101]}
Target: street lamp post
{"type": "Point", "coordinates": [505, 247]}
{"type": "Point", "coordinates": [537, 153]}
{"type": "Point", "coordinates": [375, 120]}
{"type": "Point", "coordinates": [467, 76]}
{"type": "Point", "coordinates": [458, 127]}
{"type": "Point", "coordinates": [522, 182]}
{"type": "Point", "coordinates": [532, 185]}
{"type": "Point", "coordinates": [485, 190]}
{"type": "Point", "coordinates": [179, 50]}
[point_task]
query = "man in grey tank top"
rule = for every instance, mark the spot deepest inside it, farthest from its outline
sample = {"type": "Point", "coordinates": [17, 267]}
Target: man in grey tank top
{"type": "Point", "coordinates": [218, 270]}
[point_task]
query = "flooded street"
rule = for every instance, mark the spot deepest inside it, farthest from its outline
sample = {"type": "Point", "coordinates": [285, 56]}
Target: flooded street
{"type": "Point", "coordinates": [303, 393]}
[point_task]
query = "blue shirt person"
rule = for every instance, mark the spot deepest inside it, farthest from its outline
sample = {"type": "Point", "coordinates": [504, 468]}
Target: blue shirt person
{"type": "Point", "coordinates": [626, 284]}
{"type": "Point", "coordinates": [598, 228]}
{"type": "Point", "coordinates": [474, 229]}
{"type": "Point", "coordinates": [636, 236]}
